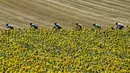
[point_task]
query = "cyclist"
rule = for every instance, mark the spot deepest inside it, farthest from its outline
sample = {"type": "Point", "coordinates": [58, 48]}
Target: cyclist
{"type": "Point", "coordinates": [9, 26]}
{"type": "Point", "coordinates": [33, 26]}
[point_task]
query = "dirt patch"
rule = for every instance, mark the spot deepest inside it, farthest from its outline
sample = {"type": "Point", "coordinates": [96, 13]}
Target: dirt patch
{"type": "Point", "coordinates": [66, 12]}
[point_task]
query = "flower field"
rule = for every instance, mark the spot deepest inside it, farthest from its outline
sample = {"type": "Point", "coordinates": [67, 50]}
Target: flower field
{"type": "Point", "coordinates": [65, 51]}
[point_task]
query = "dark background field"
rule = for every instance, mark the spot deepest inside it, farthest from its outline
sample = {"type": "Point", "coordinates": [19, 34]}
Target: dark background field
{"type": "Point", "coordinates": [66, 12]}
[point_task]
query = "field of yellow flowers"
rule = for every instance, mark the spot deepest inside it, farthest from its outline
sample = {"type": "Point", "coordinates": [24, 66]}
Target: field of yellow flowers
{"type": "Point", "coordinates": [64, 51]}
